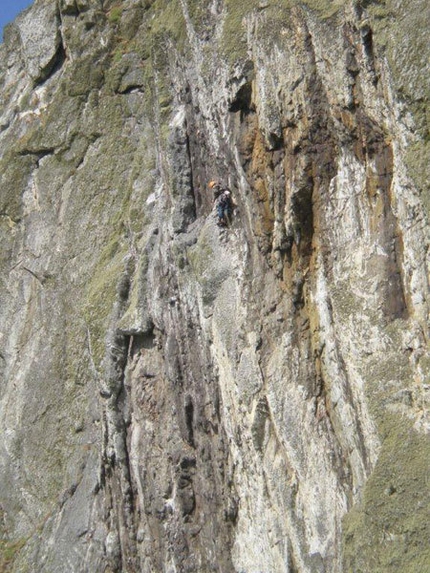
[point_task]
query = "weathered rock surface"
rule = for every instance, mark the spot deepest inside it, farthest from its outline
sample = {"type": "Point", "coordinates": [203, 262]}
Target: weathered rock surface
{"type": "Point", "coordinates": [180, 398]}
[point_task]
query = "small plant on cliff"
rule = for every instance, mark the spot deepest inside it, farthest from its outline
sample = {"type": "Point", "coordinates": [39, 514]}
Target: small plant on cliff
{"type": "Point", "coordinates": [114, 14]}
{"type": "Point", "coordinates": [8, 551]}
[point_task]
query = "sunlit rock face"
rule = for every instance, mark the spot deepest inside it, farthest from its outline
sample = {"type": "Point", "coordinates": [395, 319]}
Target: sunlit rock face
{"type": "Point", "coordinates": [178, 397]}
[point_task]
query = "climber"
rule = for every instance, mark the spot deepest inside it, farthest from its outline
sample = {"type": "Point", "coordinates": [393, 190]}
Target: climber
{"type": "Point", "coordinates": [223, 202]}
{"type": "Point", "coordinates": [224, 207]}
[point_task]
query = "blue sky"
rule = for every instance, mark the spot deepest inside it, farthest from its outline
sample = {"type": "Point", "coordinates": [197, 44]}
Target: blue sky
{"type": "Point", "coordinates": [9, 9]}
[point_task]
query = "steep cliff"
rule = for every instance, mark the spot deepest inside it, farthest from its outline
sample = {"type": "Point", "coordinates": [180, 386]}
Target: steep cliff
{"type": "Point", "coordinates": [176, 397]}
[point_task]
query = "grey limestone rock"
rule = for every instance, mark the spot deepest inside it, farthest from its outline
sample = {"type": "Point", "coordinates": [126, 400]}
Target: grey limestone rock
{"type": "Point", "coordinates": [40, 39]}
{"type": "Point", "coordinates": [176, 397]}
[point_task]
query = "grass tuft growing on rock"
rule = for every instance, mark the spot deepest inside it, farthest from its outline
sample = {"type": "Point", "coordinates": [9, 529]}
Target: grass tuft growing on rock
{"type": "Point", "coordinates": [114, 14]}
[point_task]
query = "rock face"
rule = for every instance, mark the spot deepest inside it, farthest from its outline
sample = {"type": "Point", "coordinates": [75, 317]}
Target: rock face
{"type": "Point", "coordinates": [176, 397]}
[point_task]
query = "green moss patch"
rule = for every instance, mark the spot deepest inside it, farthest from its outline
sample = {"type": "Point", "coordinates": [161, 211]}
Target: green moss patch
{"type": "Point", "coordinates": [325, 8]}
{"type": "Point", "coordinates": [114, 14]}
{"type": "Point", "coordinates": [234, 41]}
{"type": "Point", "coordinates": [168, 21]}
{"type": "Point", "coordinates": [389, 531]}
{"type": "Point", "coordinates": [101, 294]}
{"type": "Point", "coordinates": [8, 553]}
